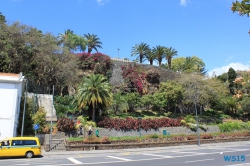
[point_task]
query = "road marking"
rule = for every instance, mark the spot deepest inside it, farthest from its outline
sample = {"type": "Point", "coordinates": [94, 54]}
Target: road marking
{"type": "Point", "coordinates": [198, 160]}
{"type": "Point", "coordinates": [75, 161]}
{"type": "Point", "coordinates": [126, 153]}
{"type": "Point", "coordinates": [246, 164]}
{"type": "Point", "coordinates": [21, 164]}
{"type": "Point", "coordinates": [156, 155]}
{"type": "Point", "coordinates": [119, 158]}
{"type": "Point", "coordinates": [187, 152]}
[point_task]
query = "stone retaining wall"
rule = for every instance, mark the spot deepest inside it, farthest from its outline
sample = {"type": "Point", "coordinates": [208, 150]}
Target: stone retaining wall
{"type": "Point", "coordinates": [121, 133]}
{"type": "Point", "coordinates": [172, 130]}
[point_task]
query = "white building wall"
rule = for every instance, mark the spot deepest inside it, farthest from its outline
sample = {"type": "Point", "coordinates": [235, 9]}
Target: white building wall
{"type": "Point", "coordinates": [10, 98]}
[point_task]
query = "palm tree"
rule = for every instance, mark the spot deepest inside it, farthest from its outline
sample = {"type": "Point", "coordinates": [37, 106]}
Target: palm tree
{"type": "Point", "coordinates": [159, 52]}
{"type": "Point", "coordinates": [2, 18]}
{"type": "Point", "coordinates": [93, 42]}
{"type": "Point", "coordinates": [140, 49]}
{"type": "Point", "coordinates": [194, 64]}
{"type": "Point", "coordinates": [94, 90]}
{"type": "Point", "coordinates": [150, 56]}
{"type": "Point", "coordinates": [72, 41]}
{"type": "Point", "coordinates": [189, 64]}
{"type": "Point", "coordinates": [170, 53]}
{"type": "Point", "coordinates": [119, 102]}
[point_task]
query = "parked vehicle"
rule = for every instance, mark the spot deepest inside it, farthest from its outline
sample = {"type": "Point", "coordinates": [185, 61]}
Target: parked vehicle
{"type": "Point", "coordinates": [20, 146]}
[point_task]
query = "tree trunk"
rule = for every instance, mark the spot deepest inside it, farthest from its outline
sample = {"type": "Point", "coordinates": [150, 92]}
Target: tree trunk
{"type": "Point", "coordinates": [151, 62]}
{"type": "Point", "coordinates": [159, 63]}
{"type": "Point", "coordinates": [93, 114]}
{"type": "Point", "coordinates": [141, 56]}
{"type": "Point", "coordinates": [201, 108]}
{"type": "Point", "coordinates": [61, 91]}
{"type": "Point", "coordinates": [169, 64]}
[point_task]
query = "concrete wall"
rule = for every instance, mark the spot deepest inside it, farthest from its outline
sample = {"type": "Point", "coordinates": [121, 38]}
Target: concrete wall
{"type": "Point", "coordinates": [45, 101]}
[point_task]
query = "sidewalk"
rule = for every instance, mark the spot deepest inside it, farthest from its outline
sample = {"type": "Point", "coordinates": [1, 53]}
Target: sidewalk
{"type": "Point", "coordinates": [202, 146]}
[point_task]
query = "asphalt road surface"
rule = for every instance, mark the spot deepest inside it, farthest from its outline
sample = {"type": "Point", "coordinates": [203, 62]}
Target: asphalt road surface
{"type": "Point", "coordinates": [236, 154]}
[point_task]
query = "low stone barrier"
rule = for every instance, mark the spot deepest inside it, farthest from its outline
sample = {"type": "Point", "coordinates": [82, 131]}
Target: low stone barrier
{"type": "Point", "coordinates": [147, 144]}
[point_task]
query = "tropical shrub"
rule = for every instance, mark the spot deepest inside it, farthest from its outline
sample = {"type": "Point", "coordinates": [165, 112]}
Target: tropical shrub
{"type": "Point", "coordinates": [135, 77]}
{"type": "Point", "coordinates": [98, 62]}
{"type": "Point", "coordinates": [105, 140]}
{"type": "Point", "coordinates": [40, 118]}
{"type": "Point", "coordinates": [90, 123]}
{"type": "Point", "coordinates": [191, 137]}
{"type": "Point", "coordinates": [135, 124]}
{"type": "Point", "coordinates": [91, 139]}
{"type": "Point", "coordinates": [64, 105]}
{"type": "Point", "coordinates": [233, 126]}
{"type": "Point", "coordinates": [133, 100]}
{"type": "Point", "coordinates": [65, 124]}
{"type": "Point", "coordinates": [207, 136]}
{"type": "Point", "coordinates": [190, 119]}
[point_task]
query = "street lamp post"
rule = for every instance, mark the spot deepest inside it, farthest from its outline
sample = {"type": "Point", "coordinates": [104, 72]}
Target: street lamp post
{"type": "Point", "coordinates": [197, 123]}
{"type": "Point", "coordinates": [52, 102]}
{"type": "Point", "coordinates": [24, 106]}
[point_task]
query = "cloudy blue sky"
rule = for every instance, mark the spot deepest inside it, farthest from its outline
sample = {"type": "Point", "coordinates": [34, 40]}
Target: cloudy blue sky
{"type": "Point", "coordinates": [205, 28]}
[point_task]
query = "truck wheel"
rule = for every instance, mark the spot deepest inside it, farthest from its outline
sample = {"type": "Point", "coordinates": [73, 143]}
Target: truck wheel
{"type": "Point", "coordinates": [29, 154]}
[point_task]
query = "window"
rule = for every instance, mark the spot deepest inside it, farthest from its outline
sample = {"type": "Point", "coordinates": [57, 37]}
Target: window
{"type": "Point", "coordinates": [23, 142]}
{"type": "Point", "coordinates": [29, 142]}
{"type": "Point", "coordinates": [16, 143]}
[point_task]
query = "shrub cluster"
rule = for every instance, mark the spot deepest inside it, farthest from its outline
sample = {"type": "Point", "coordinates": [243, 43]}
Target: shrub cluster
{"type": "Point", "coordinates": [135, 77]}
{"type": "Point", "coordinates": [94, 139]}
{"type": "Point", "coordinates": [98, 62]}
{"type": "Point", "coordinates": [135, 124]}
{"type": "Point", "coordinates": [234, 126]}
{"type": "Point", "coordinates": [65, 124]}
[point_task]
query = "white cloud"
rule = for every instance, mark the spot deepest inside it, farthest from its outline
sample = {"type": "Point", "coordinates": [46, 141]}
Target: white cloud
{"type": "Point", "coordinates": [236, 66]}
{"type": "Point", "coordinates": [102, 2]}
{"type": "Point", "coordinates": [183, 2]}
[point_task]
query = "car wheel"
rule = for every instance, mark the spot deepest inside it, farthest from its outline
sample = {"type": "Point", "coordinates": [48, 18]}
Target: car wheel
{"type": "Point", "coordinates": [29, 154]}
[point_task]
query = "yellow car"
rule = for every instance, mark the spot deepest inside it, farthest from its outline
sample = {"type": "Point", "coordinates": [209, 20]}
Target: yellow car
{"type": "Point", "coordinates": [20, 146]}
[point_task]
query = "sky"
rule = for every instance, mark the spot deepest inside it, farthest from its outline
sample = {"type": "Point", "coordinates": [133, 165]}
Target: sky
{"type": "Point", "coordinates": [207, 29]}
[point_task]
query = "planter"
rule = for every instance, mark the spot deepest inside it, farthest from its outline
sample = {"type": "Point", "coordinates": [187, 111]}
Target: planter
{"type": "Point", "coordinates": [164, 143]}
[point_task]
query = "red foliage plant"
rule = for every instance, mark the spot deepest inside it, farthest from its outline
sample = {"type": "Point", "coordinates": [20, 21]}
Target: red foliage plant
{"type": "Point", "coordinates": [65, 124]}
{"type": "Point", "coordinates": [134, 76]}
{"type": "Point", "coordinates": [89, 61]}
{"type": "Point", "coordinates": [207, 136]}
{"type": "Point", "coordinates": [135, 124]}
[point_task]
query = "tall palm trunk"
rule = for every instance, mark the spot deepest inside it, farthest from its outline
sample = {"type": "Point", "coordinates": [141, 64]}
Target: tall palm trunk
{"type": "Point", "coordinates": [93, 114]}
{"type": "Point", "coordinates": [169, 64]}
{"type": "Point", "coordinates": [151, 62]}
{"type": "Point", "coordinates": [159, 62]}
{"type": "Point", "coordinates": [141, 57]}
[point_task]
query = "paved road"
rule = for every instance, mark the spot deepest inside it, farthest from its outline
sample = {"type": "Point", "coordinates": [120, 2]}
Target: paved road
{"type": "Point", "coordinates": [205, 155]}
